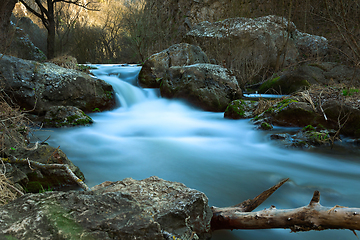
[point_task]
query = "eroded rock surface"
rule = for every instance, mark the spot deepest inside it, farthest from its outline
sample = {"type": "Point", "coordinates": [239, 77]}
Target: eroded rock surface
{"type": "Point", "coordinates": [208, 86]}
{"type": "Point", "coordinates": [154, 69]}
{"type": "Point", "coordinates": [255, 44]}
{"type": "Point", "coordinates": [148, 209]}
{"type": "Point", "coordinates": [39, 86]}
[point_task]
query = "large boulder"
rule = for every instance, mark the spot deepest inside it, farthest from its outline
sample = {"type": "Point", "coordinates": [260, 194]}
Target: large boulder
{"type": "Point", "coordinates": [319, 73]}
{"type": "Point", "coordinates": [22, 47]}
{"type": "Point", "coordinates": [148, 209]}
{"type": "Point", "coordinates": [182, 54]}
{"type": "Point", "coordinates": [250, 46]}
{"type": "Point", "coordinates": [39, 86]}
{"type": "Point", "coordinates": [210, 87]}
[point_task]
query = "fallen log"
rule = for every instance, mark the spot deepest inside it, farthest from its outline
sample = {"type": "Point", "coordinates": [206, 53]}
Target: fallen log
{"type": "Point", "coordinates": [311, 217]}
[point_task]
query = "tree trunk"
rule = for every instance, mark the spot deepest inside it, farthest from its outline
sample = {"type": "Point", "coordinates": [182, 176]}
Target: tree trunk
{"type": "Point", "coordinates": [6, 7]}
{"type": "Point", "coordinates": [51, 30]}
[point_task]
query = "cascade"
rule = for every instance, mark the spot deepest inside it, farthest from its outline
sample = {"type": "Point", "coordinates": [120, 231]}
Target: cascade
{"type": "Point", "coordinates": [226, 159]}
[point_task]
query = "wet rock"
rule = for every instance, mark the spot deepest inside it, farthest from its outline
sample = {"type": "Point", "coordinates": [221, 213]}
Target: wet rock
{"type": "Point", "coordinates": [39, 86]}
{"type": "Point", "coordinates": [61, 116]}
{"type": "Point", "coordinates": [35, 180]}
{"type": "Point", "coordinates": [182, 54]}
{"type": "Point", "coordinates": [210, 87]}
{"type": "Point", "coordinates": [239, 109]}
{"type": "Point", "coordinates": [149, 209]}
{"type": "Point", "coordinates": [262, 43]}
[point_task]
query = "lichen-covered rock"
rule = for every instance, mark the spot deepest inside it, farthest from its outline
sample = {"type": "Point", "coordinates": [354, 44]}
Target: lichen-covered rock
{"type": "Point", "coordinates": [210, 87]}
{"type": "Point", "coordinates": [35, 180]}
{"type": "Point", "coordinates": [39, 86]}
{"type": "Point", "coordinates": [64, 116]}
{"type": "Point", "coordinates": [152, 209]}
{"type": "Point", "coordinates": [249, 46]}
{"type": "Point", "coordinates": [182, 54]}
{"type": "Point", "coordinates": [239, 109]}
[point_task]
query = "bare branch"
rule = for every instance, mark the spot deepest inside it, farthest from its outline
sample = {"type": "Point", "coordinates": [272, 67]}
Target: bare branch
{"type": "Point", "coordinates": [64, 167]}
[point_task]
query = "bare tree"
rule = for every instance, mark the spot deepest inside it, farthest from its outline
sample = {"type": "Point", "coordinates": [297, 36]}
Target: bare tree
{"type": "Point", "coordinates": [46, 12]}
{"type": "Point", "coordinates": [6, 7]}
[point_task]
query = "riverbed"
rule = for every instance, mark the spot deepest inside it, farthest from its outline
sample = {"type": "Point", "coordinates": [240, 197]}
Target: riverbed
{"type": "Point", "coordinates": [228, 160]}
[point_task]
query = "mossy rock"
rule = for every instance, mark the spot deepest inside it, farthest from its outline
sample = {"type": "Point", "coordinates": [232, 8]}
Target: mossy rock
{"type": "Point", "coordinates": [239, 109]}
{"type": "Point", "coordinates": [286, 84]}
{"type": "Point", "coordinates": [61, 116]}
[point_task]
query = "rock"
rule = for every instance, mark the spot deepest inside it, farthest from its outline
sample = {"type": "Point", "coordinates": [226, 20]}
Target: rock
{"type": "Point", "coordinates": [22, 47]}
{"type": "Point", "coordinates": [250, 46]}
{"type": "Point", "coordinates": [182, 54]}
{"type": "Point", "coordinates": [35, 180]}
{"type": "Point", "coordinates": [148, 209]}
{"type": "Point", "coordinates": [290, 112]}
{"type": "Point", "coordinates": [239, 109]}
{"type": "Point", "coordinates": [60, 116]}
{"type": "Point", "coordinates": [39, 86]}
{"type": "Point", "coordinates": [320, 73]}
{"type": "Point", "coordinates": [286, 84]}
{"type": "Point", "coordinates": [210, 87]}
{"type": "Point", "coordinates": [340, 113]}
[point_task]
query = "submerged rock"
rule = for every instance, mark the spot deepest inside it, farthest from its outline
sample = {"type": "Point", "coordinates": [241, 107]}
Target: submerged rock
{"type": "Point", "coordinates": [148, 209]}
{"type": "Point", "coordinates": [210, 87]}
{"type": "Point", "coordinates": [155, 67]}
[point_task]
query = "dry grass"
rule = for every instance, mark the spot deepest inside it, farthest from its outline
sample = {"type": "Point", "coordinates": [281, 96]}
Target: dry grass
{"type": "Point", "coordinates": [13, 134]}
{"type": "Point", "coordinates": [6, 193]}
{"type": "Point", "coordinates": [65, 61]}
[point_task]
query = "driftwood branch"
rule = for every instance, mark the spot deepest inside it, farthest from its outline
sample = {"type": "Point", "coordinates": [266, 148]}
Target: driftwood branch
{"type": "Point", "coordinates": [311, 217]}
{"type": "Point", "coordinates": [64, 167]}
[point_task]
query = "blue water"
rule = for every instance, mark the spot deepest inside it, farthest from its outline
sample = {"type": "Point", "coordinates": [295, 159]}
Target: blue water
{"type": "Point", "coordinates": [226, 159]}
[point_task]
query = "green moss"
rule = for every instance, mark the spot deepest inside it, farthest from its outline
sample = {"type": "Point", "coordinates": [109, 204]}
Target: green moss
{"type": "Point", "coordinates": [266, 126]}
{"type": "Point", "coordinates": [109, 94]}
{"type": "Point", "coordinates": [284, 103]}
{"type": "Point", "coordinates": [268, 84]}
{"type": "Point", "coordinates": [63, 222]}
{"type": "Point", "coordinates": [256, 118]}
{"type": "Point", "coordinates": [235, 110]}
{"type": "Point", "coordinates": [308, 128]}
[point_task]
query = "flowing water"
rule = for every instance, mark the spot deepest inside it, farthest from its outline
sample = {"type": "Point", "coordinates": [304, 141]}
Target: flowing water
{"type": "Point", "coordinates": [228, 160]}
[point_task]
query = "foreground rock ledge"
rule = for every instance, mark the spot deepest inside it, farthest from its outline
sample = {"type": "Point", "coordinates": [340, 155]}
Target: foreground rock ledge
{"type": "Point", "coordinates": [148, 209]}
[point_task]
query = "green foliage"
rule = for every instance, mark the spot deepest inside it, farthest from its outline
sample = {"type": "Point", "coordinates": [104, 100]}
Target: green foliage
{"type": "Point", "coordinates": [308, 128]}
{"type": "Point", "coordinates": [96, 110]}
{"type": "Point", "coordinates": [349, 92]}
{"type": "Point", "coordinates": [266, 126]}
